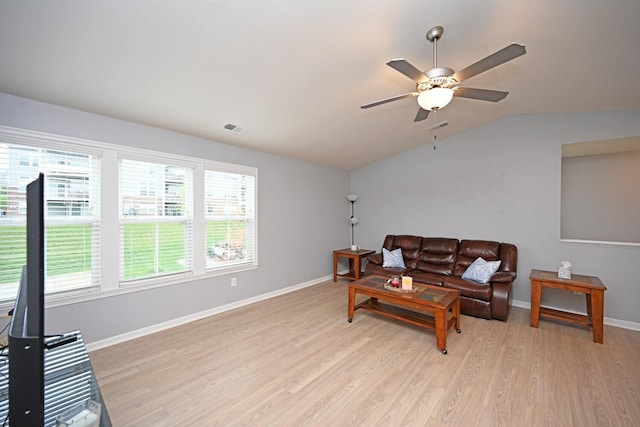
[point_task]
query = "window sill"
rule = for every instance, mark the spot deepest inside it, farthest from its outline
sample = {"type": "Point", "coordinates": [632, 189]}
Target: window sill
{"type": "Point", "coordinates": [599, 242]}
{"type": "Point", "coordinates": [90, 294]}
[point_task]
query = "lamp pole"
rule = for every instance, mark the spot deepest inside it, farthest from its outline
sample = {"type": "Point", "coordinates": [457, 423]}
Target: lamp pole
{"type": "Point", "coordinates": [352, 198]}
{"type": "Point", "coordinates": [352, 224]}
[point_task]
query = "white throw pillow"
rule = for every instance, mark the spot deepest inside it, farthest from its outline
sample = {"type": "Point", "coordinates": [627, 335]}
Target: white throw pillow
{"type": "Point", "coordinates": [481, 270]}
{"type": "Point", "coordinates": [392, 259]}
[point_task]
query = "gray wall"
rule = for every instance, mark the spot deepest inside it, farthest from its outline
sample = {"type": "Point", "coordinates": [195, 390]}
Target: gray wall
{"type": "Point", "coordinates": [502, 182]}
{"type": "Point", "coordinates": [302, 216]}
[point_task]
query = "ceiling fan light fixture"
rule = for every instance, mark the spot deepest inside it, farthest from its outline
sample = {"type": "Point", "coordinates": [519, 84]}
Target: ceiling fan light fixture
{"type": "Point", "coordinates": [435, 98]}
{"type": "Point", "coordinates": [436, 87]}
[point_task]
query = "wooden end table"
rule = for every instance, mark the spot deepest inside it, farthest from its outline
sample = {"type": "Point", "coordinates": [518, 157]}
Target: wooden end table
{"type": "Point", "coordinates": [591, 286]}
{"type": "Point", "coordinates": [355, 262]}
{"type": "Point", "coordinates": [428, 306]}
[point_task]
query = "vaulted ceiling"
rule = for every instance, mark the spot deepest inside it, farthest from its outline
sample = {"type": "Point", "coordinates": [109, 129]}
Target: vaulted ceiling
{"type": "Point", "coordinates": [294, 73]}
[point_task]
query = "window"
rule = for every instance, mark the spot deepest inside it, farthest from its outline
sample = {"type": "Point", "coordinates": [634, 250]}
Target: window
{"type": "Point", "coordinates": [72, 217]}
{"type": "Point", "coordinates": [149, 197]}
{"type": "Point", "coordinates": [156, 225]}
{"type": "Point", "coordinates": [229, 209]}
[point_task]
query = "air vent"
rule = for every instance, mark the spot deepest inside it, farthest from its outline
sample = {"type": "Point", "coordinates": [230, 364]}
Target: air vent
{"type": "Point", "coordinates": [234, 128]}
{"type": "Point", "coordinates": [439, 126]}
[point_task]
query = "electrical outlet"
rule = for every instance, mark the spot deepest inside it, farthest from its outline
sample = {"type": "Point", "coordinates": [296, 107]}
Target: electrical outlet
{"type": "Point", "coordinates": [577, 293]}
{"type": "Point", "coordinates": [234, 282]}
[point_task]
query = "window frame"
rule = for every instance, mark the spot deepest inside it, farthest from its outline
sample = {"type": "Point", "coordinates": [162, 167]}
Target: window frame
{"type": "Point", "coordinates": [109, 218]}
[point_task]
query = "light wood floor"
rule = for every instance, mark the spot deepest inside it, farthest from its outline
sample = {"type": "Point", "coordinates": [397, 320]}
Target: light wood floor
{"type": "Point", "coordinates": [294, 360]}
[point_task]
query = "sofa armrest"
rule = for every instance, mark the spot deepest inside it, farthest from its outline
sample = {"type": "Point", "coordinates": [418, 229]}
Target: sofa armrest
{"type": "Point", "coordinates": [500, 300]}
{"type": "Point", "coordinates": [503, 277]}
{"type": "Point", "coordinates": [375, 258]}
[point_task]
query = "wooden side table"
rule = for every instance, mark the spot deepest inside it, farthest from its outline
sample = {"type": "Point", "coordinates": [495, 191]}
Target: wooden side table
{"type": "Point", "coordinates": [591, 286]}
{"type": "Point", "coordinates": [355, 262]}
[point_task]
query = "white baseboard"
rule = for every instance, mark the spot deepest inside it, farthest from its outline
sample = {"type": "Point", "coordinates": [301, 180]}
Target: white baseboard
{"type": "Point", "coordinates": [96, 345]}
{"type": "Point", "coordinates": [625, 324]}
{"type": "Point", "coordinates": [237, 304]}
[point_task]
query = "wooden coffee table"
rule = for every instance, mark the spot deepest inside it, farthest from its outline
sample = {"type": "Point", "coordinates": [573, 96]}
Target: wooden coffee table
{"type": "Point", "coordinates": [427, 306]}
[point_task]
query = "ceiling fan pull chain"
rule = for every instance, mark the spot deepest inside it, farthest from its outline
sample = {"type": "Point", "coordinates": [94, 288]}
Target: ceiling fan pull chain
{"type": "Point", "coordinates": [435, 131]}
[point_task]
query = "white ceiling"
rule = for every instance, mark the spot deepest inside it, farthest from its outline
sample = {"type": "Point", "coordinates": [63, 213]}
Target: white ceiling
{"type": "Point", "coordinates": [295, 73]}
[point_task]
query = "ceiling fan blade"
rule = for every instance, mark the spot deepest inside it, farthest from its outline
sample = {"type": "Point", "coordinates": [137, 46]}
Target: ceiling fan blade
{"type": "Point", "coordinates": [500, 57]}
{"type": "Point", "coordinates": [408, 70]}
{"type": "Point", "coordinates": [480, 94]}
{"type": "Point", "coordinates": [422, 114]}
{"type": "Point", "coordinates": [384, 101]}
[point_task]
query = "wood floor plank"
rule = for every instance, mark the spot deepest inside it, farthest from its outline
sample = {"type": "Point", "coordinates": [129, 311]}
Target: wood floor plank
{"type": "Point", "coordinates": [294, 360]}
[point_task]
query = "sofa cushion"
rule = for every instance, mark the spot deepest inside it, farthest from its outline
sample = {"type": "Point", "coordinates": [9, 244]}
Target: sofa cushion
{"type": "Point", "coordinates": [372, 268]}
{"type": "Point", "coordinates": [470, 250]}
{"type": "Point", "coordinates": [392, 259]}
{"type": "Point", "coordinates": [481, 271]}
{"type": "Point", "coordinates": [468, 288]}
{"type": "Point", "coordinates": [420, 276]}
{"type": "Point", "coordinates": [438, 255]}
{"type": "Point", "coordinates": [410, 246]}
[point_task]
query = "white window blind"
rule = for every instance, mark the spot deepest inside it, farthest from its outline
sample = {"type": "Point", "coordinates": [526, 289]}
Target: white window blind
{"type": "Point", "coordinates": [229, 203]}
{"type": "Point", "coordinates": [72, 214]}
{"type": "Point", "coordinates": [156, 220]}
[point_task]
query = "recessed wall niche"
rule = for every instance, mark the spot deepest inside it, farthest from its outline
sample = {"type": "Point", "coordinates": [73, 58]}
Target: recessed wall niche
{"type": "Point", "coordinates": [600, 193]}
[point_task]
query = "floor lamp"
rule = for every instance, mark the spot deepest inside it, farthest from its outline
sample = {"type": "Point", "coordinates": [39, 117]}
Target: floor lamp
{"type": "Point", "coordinates": [352, 198]}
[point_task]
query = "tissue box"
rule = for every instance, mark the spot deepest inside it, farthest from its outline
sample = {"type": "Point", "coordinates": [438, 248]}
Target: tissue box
{"type": "Point", "coordinates": [564, 271]}
{"type": "Point", "coordinates": [85, 414]}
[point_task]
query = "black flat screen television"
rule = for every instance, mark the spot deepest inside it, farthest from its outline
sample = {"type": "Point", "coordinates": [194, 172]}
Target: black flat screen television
{"type": "Point", "coordinates": [26, 332]}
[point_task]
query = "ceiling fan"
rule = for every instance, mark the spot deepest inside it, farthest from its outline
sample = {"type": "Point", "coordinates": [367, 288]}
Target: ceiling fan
{"type": "Point", "coordinates": [437, 86]}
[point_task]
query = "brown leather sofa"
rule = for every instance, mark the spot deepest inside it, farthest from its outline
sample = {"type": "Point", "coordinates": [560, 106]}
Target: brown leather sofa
{"type": "Point", "coordinates": [442, 261]}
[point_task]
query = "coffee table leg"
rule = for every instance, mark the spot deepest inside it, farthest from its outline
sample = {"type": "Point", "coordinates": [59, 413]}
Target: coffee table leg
{"type": "Point", "coordinates": [352, 299]}
{"type": "Point", "coordinates": [456, 312]}
{"type": "Point", "coordinates": [441, 329]}
{"type": "Point", "coordinates": [335, 266]}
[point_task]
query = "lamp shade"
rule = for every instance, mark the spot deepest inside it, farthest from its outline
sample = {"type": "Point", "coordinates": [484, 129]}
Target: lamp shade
{"type": "Point", "coordinates": [352, 197]}
{"type": "Point", "coordinates": [435, 98]}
